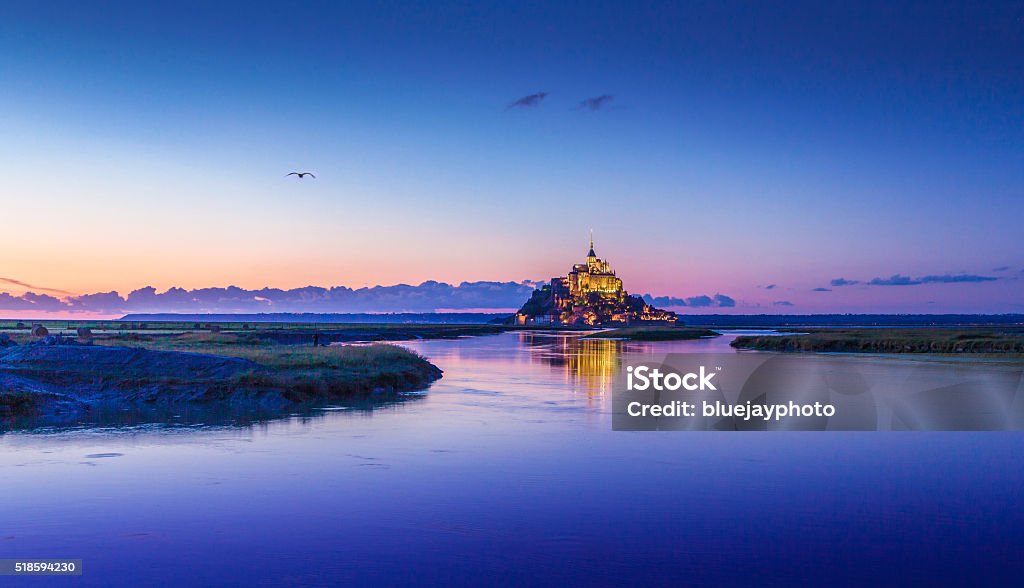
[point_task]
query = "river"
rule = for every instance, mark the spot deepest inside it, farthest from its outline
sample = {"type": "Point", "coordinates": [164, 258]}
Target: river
{"type": "Point", "coordinates": [507, 472]}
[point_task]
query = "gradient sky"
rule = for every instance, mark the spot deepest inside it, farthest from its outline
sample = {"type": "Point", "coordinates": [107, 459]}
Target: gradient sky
{"type": "Point", "coordinates": [745, 146]}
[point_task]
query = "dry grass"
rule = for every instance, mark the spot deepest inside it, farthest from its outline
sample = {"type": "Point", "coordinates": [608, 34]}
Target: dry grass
{"type": "Point", "coordinates": [937, 340]}
{"type": "Point", "coordinates": [307, 371]}
{"type": "Point", "coordinates": [653, 334]}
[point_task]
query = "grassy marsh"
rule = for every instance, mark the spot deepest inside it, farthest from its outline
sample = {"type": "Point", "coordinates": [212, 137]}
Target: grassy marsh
{"type": "Point", "coordinates": [660, 333]}
{"type": "Point", "coordinates": [304, 372]}
{"type": "Point", "coordinates": [982, 340]}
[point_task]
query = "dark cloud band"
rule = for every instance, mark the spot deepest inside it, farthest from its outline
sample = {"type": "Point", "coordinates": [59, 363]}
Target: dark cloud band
{"type": "Point", "coordinates": [597, 102]}
{"type": "Point", "coordinates": [529, 101]}
{"type": "Point", "coordinates": [901, 280]}
{"type": "Point", "coordinates": [703, 301]}
{"type": "Point", "coordinates": [429, 296]}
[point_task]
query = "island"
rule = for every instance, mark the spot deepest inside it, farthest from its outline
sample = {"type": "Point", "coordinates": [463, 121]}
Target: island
{"type": "Point", "coordinates": [589, 295]}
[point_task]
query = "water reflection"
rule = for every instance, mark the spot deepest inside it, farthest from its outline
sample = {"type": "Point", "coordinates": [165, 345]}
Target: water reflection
{"type": "Point", "coordinates": [202, 416]}
{"type": "Point", "coordinates": [503, 470]}
{"type": "Point", "coordinates": [590, 365]}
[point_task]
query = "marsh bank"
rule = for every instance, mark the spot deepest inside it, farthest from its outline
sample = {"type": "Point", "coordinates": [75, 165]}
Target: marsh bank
{"type": "Point", "coordinates": [64, 380]}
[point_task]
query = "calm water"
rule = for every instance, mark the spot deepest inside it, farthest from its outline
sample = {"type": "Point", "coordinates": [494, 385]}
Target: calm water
{"type": "Point", "coordinates": [507, 472]}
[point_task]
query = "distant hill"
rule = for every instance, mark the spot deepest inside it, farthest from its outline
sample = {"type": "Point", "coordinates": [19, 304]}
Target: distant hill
{"type": "Point", "coordinates": [432, 318]}
{"type": "Point", "coordinates": [706, 320]}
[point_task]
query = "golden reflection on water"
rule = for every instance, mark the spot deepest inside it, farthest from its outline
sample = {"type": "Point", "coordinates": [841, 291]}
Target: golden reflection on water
{"type": "Point", "coordinates": [589, 365]}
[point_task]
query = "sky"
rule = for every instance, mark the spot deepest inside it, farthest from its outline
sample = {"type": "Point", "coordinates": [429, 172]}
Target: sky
{"type": "Point", "coordinates": [800, 157]}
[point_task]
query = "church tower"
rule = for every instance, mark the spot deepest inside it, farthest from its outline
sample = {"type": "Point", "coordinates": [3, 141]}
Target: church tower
{"type": "Point", "coordinates": [593, 262]}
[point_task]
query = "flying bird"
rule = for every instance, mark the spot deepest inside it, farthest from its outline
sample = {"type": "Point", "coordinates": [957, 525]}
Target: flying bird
{"type": "Point", "coordinates": [301, 174]}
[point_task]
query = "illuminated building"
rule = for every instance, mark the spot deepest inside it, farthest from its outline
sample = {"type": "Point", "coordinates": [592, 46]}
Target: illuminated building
{"type": "Point", "coordinates": [591, 294]}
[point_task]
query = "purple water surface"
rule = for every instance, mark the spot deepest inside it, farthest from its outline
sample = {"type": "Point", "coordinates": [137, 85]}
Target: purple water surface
{"type": "Point", "coordinates": [507, 472]}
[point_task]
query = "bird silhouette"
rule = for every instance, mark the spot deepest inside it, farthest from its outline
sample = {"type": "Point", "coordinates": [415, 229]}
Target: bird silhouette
{"type": "Point", "coordinates": [301, 174]}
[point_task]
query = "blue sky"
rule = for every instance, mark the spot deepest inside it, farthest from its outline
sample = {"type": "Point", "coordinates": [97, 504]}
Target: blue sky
{"type": "Point", "coordinates": [743, 146]}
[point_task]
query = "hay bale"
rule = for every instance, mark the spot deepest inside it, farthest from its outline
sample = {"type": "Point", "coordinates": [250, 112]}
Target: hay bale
{"type": "Point", "coordinates": [84, 333]}
{"type": "Point", "coordinates": [39, 331]}
{"type": "Point", "coordinates": [21, 326]}
{"type": "Point", "coordinates": [214, 328]}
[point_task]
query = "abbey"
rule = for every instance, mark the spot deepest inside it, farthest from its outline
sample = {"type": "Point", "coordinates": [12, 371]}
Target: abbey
{"type": "Point", "coordinates": [591, 294]}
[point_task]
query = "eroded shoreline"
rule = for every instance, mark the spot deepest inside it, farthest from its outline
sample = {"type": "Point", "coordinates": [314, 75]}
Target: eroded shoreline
{"type": "Point", "coordinates": [63, 381]}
